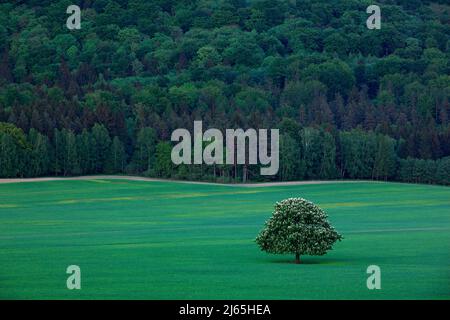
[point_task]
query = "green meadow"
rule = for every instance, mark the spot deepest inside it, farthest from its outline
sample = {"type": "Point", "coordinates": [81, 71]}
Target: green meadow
{"type": "Point", "coordinates": [168, 240]}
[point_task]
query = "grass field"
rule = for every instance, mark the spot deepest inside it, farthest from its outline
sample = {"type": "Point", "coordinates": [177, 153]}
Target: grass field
{"type": "Point", "coordinates": [167, 240]}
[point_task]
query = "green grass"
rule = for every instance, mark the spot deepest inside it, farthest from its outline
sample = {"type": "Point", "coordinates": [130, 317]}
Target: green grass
{"type": "Point", "coordinates": [162, 240]}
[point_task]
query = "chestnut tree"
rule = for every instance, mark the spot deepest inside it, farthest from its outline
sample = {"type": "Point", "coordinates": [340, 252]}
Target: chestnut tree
{"type": "Point", "coordinates": [297, 227]}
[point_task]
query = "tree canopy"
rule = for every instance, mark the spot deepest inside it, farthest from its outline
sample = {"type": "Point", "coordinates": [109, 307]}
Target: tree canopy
{"type": "Point", "coordinates": [299, 227]}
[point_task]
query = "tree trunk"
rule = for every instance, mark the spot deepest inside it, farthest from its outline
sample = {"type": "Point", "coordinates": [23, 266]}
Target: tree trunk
{"type": "Point", "coordinates": [297, 258]}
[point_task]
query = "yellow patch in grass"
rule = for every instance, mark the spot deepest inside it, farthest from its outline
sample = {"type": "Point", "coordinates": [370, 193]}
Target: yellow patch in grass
{"type": "Point", "coordinates": [72, 201]}
{"type": "Point", "coordinates": [99, 181]}
{"type": "Point", "coordinates": [209, 194]}
{"type": "Point", "coordinates": [343, 204]}
{"type": "Point", "coordinates": [6, 206]}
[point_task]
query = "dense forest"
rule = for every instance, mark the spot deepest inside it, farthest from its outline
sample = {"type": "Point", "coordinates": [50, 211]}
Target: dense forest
{"type": "Point", "coordinates": [350, 103]}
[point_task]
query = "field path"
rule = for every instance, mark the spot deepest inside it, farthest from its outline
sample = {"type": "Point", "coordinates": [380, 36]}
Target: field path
{"type": "Point", "coordinates": [136, 178]}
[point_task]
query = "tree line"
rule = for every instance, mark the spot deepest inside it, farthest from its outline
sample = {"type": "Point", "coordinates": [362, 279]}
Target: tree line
{"type": "Point", "coordinates": [305, 153]}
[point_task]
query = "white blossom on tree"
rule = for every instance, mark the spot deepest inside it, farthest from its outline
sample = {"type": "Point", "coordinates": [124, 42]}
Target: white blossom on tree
{"type": "Point", "coordinates": [299, 227]}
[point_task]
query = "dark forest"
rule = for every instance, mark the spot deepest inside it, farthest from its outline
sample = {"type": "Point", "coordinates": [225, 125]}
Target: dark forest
{"type": "Point", "coordinates": [350, 103]}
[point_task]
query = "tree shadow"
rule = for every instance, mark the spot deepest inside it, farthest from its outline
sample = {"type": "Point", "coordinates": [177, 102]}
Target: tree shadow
{"type": "Point", "coordinates": [310, 260]}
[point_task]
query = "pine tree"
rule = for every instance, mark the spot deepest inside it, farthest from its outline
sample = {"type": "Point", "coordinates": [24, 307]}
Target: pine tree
{"type": "Point", "coordinates": [36, 121]}
{"type": "Point", "coordinates": [101, 144]}
{"type": "Point", "coordinates": [8, 157]}
{"type": "Point", "coordinates": [13, 151]}
{"type": "Point", "coordinates": [71, 161]}
{"type": "Point", "coordinates": [328, 159]}
{"type": "Point", "coordinates": [64, 75]}
{"type": "Point", "coordinates": [39, 155]}
{"type": "Point", "coordinates": [290, 164]}
{"type": "Point", "coordinates": [117, 158]}
{"type": "Point", "coordinates": [84, 147]}
{"type": "Point", "coordinates": [23, 122]}
{"type": "Point", "coordinates": [58, 152]}
{"type": "Point", "coordinates": [5, 67]}
{"type": "Point", "coordinates": [144, 152]}
{"type": "Point", "coordinates": [384, 164]}
{"type": "Point", "coordinates": [163, 164]}
{"type": "Point", "coordinates": [443, 171]}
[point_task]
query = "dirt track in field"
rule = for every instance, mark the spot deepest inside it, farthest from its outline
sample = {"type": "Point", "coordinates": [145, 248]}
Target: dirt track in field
{"type": "Point", "coordinates": [135, 178]}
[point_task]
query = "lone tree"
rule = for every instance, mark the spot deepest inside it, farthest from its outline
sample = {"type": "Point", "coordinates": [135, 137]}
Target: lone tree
{"type": "Point", "coordinates": [299, 227]}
